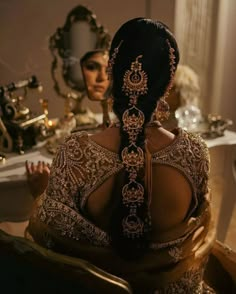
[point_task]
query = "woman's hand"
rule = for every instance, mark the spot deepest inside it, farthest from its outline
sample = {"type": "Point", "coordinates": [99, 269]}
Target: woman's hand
{"type": "Point", "coordinates": [37, 177]}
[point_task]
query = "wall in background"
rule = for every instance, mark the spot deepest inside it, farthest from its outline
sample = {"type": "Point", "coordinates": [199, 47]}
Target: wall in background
{"type": "Point", "coordinates": [205, 30]}
{"type": "Point", "coordinates": [195, 24]}
{"type": "Point", "coordinates": [26, 25]}
{"type": "Point", "coordinates": [224, 87]}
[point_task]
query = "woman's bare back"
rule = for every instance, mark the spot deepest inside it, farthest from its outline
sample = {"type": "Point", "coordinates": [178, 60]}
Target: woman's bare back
{"type": "Point", "coordinates": [171, 191]}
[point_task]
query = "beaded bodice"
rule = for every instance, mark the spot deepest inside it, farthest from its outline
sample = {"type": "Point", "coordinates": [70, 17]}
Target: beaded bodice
{"type": "Point", "coordinates": [81, 165]}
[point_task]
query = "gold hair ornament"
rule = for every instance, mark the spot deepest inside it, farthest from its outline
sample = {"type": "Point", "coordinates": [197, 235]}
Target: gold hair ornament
{"type": "Point", "coordinates": [133, 226]}
{"type": "Point", "coordinates": [133, 120]}
{"type": "Point", "coordinates": [132, 156]}
{"type": "Point", "coordinates": [134, 85]}
{"type": "Point", "coordinates": [133, 193]}
{"type": "Point", "coordinates": [111, 61]}
{"type": "Point", "coordinates": [163, 108]}
{"type": "Point", "coordinates": [135, 81]}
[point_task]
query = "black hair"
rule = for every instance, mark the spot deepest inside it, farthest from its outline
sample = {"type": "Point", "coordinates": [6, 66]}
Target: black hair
{"type": "Point", "coordinates": [88, 54]}
{"type": "Point", "coordinates": [151, 39]}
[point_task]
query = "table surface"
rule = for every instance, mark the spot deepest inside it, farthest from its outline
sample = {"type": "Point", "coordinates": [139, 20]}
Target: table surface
{"type": "Point", "coordinates": [14, 167]}
{"type": "Point", "coordinates": [229, 138]}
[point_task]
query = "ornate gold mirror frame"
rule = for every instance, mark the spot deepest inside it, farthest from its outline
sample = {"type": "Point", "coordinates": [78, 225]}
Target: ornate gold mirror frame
{"type": "Point", "coordinates": [80, 33]}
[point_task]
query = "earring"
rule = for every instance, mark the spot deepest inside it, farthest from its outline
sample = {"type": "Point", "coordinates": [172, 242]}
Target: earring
{"type": "Point", "coordinates": [162, 112]}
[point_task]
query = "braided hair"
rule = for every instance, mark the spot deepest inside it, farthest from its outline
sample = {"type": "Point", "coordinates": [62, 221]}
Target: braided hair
{"type": "Point", "coordinates": [143, 58]}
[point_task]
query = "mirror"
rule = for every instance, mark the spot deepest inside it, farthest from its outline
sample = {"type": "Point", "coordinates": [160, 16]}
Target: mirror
{"type": "Point", "coordinates": [81, 33]}
{"type": "Point", "coordinates": [94, 69]}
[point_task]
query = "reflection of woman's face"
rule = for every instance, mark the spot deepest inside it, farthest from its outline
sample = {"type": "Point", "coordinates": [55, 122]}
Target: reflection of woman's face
{"type": "Point", "coordinates": [95, 75]}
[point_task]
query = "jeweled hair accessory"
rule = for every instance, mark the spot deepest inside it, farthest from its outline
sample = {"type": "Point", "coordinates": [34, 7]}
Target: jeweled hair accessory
{"type": "Point", "coordinates": [163, 108]}
{"type": "Point", "coordinates": [111, 61]}
{"type": "Point", "coordinates": [134, 85]}
{"type": "Point", "coordinates": [172, 68]}
{"type": "Point", "coordinates": [135, 81]}
{"type": "Point", "coordinates": [133, 226]}
{"type": "Point", "coordinates": [133, 120]}
{"type": "Point", "coordinates": [162, 112]}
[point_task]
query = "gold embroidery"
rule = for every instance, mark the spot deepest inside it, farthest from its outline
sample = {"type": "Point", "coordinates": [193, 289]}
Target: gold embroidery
{"type": "Point", "coordinates": [81, 165]}
{"type": "Point", "coordinates": [191, 156]}
{"type": "Point", "coordinates": [176, 253]}
{"type": "Point", "coordinates": [190, 283]}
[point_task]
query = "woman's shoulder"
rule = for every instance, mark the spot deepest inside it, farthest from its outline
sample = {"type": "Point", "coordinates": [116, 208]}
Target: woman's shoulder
{"type": "Point", "coordinates": [75, 140]}
{"type": "Point", "coordinates": [187, 152]}
{"type": "Point", "coordinates": [77, 136]}
{"type": "Point", "coordinates": [196, 142]}
{"type": "Point", "coordinates": [70, 147]}
{"type": "Point", "coordinates": [108, 139]}
{"type": "Point", "coordinates": [82, 143]}
{"type": "Point", "coordinates": [188, 141]}
{"type": "Point", "coordinates": [176, 140]}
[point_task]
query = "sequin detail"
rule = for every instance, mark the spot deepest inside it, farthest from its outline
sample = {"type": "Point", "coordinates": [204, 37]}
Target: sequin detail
{"type": "Point", "coordinates": [190, 283]}
{"type": "Point", "coordinates": [190, 155]}
{"type": "Point", "coordinates": [81, 166]}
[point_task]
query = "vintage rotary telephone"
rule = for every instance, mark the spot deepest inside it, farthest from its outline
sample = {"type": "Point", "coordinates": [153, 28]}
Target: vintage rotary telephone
{"type": "Point", "coordinates": [19, 127]}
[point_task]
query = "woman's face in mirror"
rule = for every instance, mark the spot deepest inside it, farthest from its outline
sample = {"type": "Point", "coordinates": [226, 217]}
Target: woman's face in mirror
{"type": "Point", "coordinates": [94, 69]}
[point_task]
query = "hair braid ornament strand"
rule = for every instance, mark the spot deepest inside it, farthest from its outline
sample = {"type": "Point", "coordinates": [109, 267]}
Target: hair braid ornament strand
{"type": "Point", "coordinates": [134, 85]}
{"type": "Point", "coordinates": [111, 61]}
{"type": "Point", "coordinates": [163, 109]}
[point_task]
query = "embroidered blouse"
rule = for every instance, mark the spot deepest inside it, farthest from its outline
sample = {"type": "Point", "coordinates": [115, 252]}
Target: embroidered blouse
{"type": "Point", "coordinates": [81, 165]}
